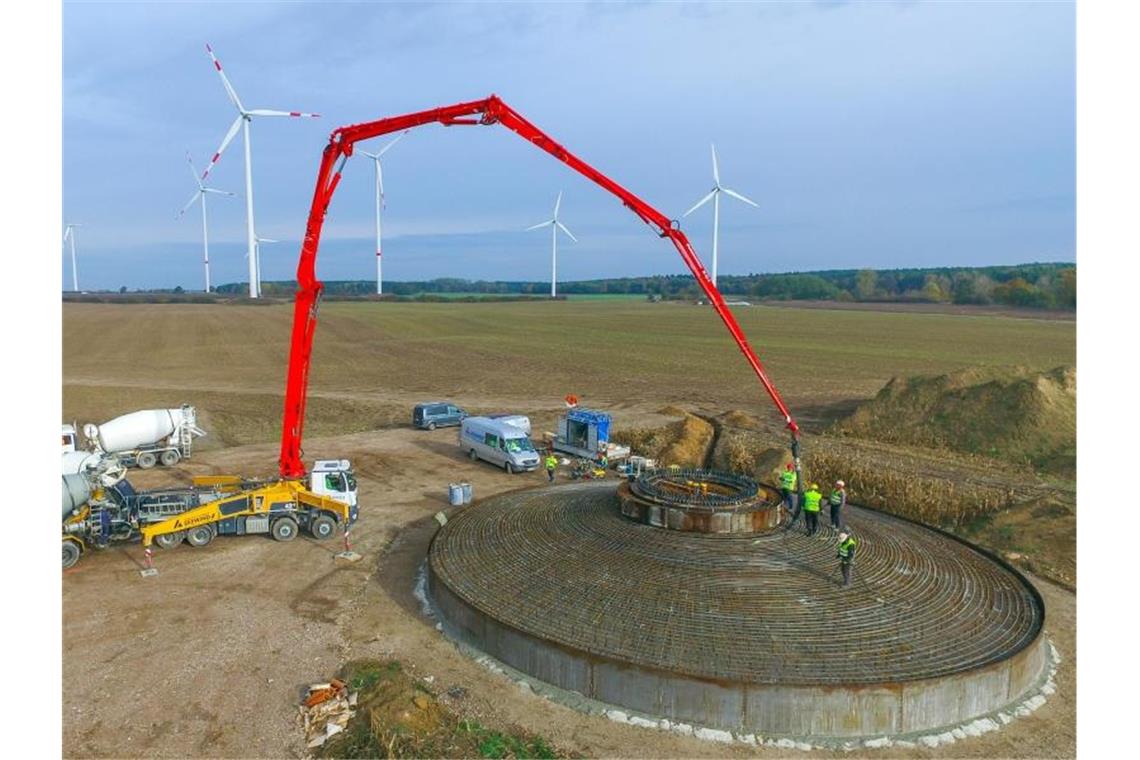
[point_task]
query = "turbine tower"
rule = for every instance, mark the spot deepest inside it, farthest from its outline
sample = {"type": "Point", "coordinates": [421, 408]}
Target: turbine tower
{"type": "Point", "coordinates": [257, 241]}
{"type": "Point", "coordinates": [555, 225]}
{"type": "Point", "coordinates": [379, 203]}
{"type": "Point", "coordinates": [714, 196]}
{"type": "Point", "coordinates": [200, 193]}
{"type": "Point", "coordinates": [69, 236]}
{"type": "Point", "coordinates": [243, 120]}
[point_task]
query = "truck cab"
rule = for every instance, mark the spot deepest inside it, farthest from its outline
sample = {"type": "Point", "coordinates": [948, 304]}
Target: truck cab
{"type": "Point", "coordinates": [69, 439]}
{"type": "Point", "coordinates": [335, 479]}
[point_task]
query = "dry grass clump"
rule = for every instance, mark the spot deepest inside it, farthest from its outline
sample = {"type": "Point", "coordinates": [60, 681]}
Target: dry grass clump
{"type": "Point", "coordinates": [883, 477]}
{"type": "Point", "coordinates": [750, 455]}
{"type": "Point", "coordinates": [932, 500]}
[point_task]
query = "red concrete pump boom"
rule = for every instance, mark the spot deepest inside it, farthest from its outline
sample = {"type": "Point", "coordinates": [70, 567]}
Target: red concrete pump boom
{"type": "Point", "coordinates": [489, 111]}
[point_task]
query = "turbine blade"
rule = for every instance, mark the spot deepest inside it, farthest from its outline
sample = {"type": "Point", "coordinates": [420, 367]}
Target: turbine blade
{"type": "Point", "coordinates": [739, 197]}
{"type": "Point", "coordinates": [540, 225]}
{"type": "Point", "coordinates": [189, 203]}
{"type": "Point", "coordinates": [221, 149]}
{"type": "Point", "coordinates": [557, 203]}
{"type": "Point", "coordinates": [295, 114]}
{"type": "Point", "coordinates": [193, 171]}
{"type": "Point", "coordinates": [373, 156]}
{"type": "Point", "coordinates": [225, 80]}
{"type": "Point", "coordinates": [701, 202]}
{"type": "Point", "coordinates": [267, 240]}
{"type": "Point", "coordinates": [380, 180]}
{"type": "Point", "coordinates": [562, 227]}
{"type": "Point", "coordinates": [219, 192]}
{"type": "Point", "coordinates": [716, 169]}
{"type": "Point", "coordinates": [384, 150]}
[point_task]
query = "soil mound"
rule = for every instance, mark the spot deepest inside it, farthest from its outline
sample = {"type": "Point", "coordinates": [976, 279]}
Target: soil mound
{"type": "Point", "coordinates": [672, 411]}
{"type": "Point", "coordinates": [684, 443]}
{"type": "Point", "coordinates": [738, 419]}
{"type": "Point", "coordinates": [1012, 414]}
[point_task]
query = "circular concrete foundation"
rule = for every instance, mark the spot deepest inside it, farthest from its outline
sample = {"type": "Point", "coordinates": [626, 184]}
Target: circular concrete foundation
{"type": "Point", "coordinates": [700, 501]}
{"type": "Point", "coordinates": [746, 633]}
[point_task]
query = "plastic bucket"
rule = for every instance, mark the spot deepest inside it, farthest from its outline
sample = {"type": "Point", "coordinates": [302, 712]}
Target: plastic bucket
{"type": "Point", "coordinates": [455, 494]}
{"type": "Point", "coordinates": [468, 492]}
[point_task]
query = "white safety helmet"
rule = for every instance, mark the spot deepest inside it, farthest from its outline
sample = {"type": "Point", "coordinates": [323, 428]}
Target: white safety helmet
{"type": "Point", "coordinates": [840, 483]}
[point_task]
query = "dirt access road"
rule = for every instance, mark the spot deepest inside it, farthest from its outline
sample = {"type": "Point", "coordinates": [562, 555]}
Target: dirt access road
{"type": "Point", "coordinates": [210, 658]}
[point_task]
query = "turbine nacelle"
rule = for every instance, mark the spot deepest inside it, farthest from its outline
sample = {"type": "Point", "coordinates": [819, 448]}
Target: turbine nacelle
{"type": "Point", "coordinates": [244, 118]}
{"type": "Point", "coordinates": [714, 195]}
{"type": "Point", "coordinates": [554, 220]}
{"type": "Point", "coordinates": [555, 225]}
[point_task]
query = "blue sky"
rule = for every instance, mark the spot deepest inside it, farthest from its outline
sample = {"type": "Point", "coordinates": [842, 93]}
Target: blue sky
{"type": "Point", "coordinates": [871, 134]}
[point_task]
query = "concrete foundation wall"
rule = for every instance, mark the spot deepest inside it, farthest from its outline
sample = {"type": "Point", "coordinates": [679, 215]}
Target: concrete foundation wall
{"type": "Point", "coordinates": [820, 711]}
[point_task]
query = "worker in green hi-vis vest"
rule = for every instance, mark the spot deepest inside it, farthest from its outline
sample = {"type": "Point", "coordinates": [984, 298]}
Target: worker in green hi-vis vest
{"type": "Point", "coordinates": [788, 482]}
{"type": "Point", "coordinates": [846, 554]}
{"type": "Point", "coordinates": [812, 498]}
{"type": "Point", "coordinates": [837, 499]}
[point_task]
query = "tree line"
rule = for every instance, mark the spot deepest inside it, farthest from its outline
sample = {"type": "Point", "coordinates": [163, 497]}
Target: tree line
{"type": "Point", "coordinates": [1043, 286]}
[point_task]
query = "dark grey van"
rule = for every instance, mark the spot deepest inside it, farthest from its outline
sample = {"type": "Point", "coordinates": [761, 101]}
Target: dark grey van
{"type": "Point", "coordinates": [433, 414]}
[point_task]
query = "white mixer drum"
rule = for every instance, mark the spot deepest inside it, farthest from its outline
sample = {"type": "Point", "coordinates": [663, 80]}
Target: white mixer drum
{"type": "Point", "coordinates": [80, 461]}
{"type": "Point", "coordinates": [137, 429]}
{"type": "Point", "coordinates": [76, 492]}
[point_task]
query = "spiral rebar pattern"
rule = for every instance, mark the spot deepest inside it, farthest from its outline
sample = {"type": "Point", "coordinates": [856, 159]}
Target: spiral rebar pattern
{"type": "Point", "coordinates": [563, 566]}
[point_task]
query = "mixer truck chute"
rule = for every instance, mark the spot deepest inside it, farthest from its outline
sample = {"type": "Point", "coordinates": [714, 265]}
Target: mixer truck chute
{"type": "Point", "coordinates": [147, 437]}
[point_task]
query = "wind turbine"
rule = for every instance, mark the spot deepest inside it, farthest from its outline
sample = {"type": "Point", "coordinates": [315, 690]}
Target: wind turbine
{"type": "Point", "coordinates": [201, 193]}
{"type": "Point", "coordinates": [69, 235]}
{"type": "Point", "coordinates": [714, 195]}
{"type": "Point", "coordinates": [555, 225]}
{"type": "Point", "coordinates": [257, 241]}
{"type": "Point", "coordinates": [243, 119]}
{"type": "Point", "coordinates": [379, 202]}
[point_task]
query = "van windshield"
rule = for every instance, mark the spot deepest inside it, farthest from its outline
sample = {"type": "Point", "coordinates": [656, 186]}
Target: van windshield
{"type": "Point", "coordinates": [515, 445]}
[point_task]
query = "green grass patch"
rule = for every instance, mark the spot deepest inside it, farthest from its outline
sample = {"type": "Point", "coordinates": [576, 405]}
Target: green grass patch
{"type": "Point", "coordinates": [398, 716]}
{"type": "Point", "coordinates": [496, 744]}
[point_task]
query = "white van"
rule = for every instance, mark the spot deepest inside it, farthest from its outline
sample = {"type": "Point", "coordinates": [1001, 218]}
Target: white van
{"type": "Point", "coordinates": [499, 443]}
{"type": "Point", "coordinates": [521, 421]}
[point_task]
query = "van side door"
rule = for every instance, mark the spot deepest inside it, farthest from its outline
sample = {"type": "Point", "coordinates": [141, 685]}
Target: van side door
{"type": "Point", "coordinates": [491, 442]}
{"type": "Point", "coordinates": [454, 414]}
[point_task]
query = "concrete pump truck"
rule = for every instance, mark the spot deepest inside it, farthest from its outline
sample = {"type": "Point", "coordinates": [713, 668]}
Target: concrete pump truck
{"type": "Point", "coordinates": [326, 497]}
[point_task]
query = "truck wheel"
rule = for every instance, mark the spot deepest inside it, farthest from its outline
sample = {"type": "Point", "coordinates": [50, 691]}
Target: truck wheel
{"type": "Point", "coordinates": [200, 536]}
{"type": "Point", "coordinates": [170, 540]}
{"type": "Point", "coordinates": [146, 460]}
{"type": "Point", "coordinates": [71, 554]}
{"type": "Point", "coordinates": [431, 426]}
{"type": "Point", "coordinates": [170, 458]}
{"type": "Point", "coordinates": [472, 455]}
{"type": "Point", "coordinates": [507, 466]}
{"type": "Point", "coordinates": [284, 529]}
{"type": "Point", "coordinates": [322, 526]}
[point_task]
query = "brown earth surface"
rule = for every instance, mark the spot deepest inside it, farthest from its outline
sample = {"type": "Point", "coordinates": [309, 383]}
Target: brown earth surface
{"type": "Point", "coordinates": [211, 657]}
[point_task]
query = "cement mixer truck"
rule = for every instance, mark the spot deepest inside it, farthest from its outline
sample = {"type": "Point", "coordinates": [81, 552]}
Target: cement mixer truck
{"type": "Point", "coordinates": [145, 438]}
